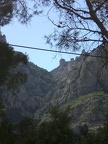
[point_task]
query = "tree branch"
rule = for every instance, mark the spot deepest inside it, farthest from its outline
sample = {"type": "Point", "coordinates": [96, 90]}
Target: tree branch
{"type": "Point", "coordinates": [99, 6]}
{"type": "Point", "coordinates": [73, 11]}
{"type": "Point", "coordinates": [96, 20]}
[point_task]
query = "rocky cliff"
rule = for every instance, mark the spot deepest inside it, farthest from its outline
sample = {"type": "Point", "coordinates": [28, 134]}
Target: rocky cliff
{"type": "Point", "coordinates": [78, 77]}
{"type": "Point", "coordinates": [30, 96]}
{"type": "Point", "coordinates": [81, 84]}
{"type": "Point", "coordinates": [75, 80]}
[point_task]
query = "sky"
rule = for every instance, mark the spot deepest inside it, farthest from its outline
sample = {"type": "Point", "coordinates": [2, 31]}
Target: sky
{"type": "Point", "coordinates": [33, 35]}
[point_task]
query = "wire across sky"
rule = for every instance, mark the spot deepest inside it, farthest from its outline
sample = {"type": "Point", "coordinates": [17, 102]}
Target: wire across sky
{"type": "Point", "coordinates": [56, 51]}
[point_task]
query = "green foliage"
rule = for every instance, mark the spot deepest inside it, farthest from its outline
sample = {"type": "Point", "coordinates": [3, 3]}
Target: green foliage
{"type": "Point", "coordinates": [9, 60]}
{"type": "Point", "coordinates": [26, 131]}
{"type": "Point", "coordinates": [16, 80]}
{"type": "Point", "coordinates": [102, 135]}
{"type": "Point", "coordinates": [54, 131]}
{"type": "Point", "coordinates": [6, 134]}
{"type": "Point", "coordinates": [90, 108]}
{"type": "Point", "coordinates": [86, 136]}
{"type": "Point", "coordinates": [6, 61]}
{"type": "Point", "coordinates": [85, 98]}
{"type": "Point", "coordinates": [19, 9]}
{"type": "Point", "coordinates": [6, 12]}
{"type": "Point", "coordinates": [59, 116]}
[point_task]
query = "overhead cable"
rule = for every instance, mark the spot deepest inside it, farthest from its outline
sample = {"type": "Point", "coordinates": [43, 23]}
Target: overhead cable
{"type": "Point", "coordinates": [56, 51]}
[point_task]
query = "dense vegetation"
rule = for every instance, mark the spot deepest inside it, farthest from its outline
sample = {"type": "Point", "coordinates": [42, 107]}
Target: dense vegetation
{"type": "Point", "coordinates": [56, 130]}
{"type": "Point", "coordinates": [9, 60]}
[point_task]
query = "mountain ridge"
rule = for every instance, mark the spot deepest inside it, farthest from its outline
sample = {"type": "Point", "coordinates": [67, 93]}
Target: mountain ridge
{"type": "Point", "coordinates": [65, 85]}
{"type": "Point", "coordinates": [82, 77]}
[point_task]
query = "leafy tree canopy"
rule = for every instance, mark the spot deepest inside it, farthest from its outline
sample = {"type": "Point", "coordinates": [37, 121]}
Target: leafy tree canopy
{"type": "Point", "coordinates": [9, 60]}
{"type": "Point", "coordinates": [19, 9]}
{"type": "Point", "coordinates": [78, 23]}
{"type": "Point", "coordinates": [56, 130]}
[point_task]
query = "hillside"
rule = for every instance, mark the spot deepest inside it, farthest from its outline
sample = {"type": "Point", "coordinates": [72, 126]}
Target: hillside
{"type": "Point", "coordinates": [76, 80]}
{"type": "Point", "coordinates": [81, 83]}
{"type": "Point", "coordinates": [30, 96]}
{"type": "Point", "coordinates": [89, 109]}
{"type": "Point", "coordinates": [79, 77]}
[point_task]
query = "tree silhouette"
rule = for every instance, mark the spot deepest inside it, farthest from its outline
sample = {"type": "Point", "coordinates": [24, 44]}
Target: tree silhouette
{"type": "Point", "coordinates": [78, 23]}
{"type": "Point", "coordinates": [56, 130]}
{"type": "Point", "coordinates": [9, 60]}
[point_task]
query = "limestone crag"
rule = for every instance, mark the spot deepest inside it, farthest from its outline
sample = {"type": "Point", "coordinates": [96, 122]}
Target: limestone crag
{"type": "Point", "coordinates": [76, 78]}
{"type": "Point", "coordinates": [65, 67]}
{"type": "Point", "coordinates": [81, 84]}
{"type": "Point", "coordinates": [29, 98]}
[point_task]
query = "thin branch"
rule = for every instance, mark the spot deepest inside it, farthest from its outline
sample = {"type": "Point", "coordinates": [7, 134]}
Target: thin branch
{"type": "Point", "coordinates": [78, 10]}
{"type": "Point", "coordinates": [86, 29]}
{"type": "Point", "coordinates": [86, 40]}
{"type": "Point", "coordinates": [99, 6]}
{"type": "Point", "coordinates": [96, 20]}
{"type": "Point", "coordinates": [72, 11]}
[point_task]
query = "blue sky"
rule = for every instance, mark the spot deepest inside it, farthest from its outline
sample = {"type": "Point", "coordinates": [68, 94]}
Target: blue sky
{"type": "Point", "coordinates": [33, 35]}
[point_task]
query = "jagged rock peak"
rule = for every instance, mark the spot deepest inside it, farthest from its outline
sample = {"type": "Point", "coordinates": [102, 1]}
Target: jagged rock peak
{"type": "Point", "coordinates": [62, 62]}
{"type": "Point", "coordinates": [72, 59]}
{"type": "Point", "coordinates": [83, 51]}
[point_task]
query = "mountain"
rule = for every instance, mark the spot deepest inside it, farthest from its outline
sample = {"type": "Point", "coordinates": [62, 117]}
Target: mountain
{"type": "Point", "coordinates": [78, 77]}
{"type": "Point", "coordinates": [90, 109]}
{"type": "Point", "coordinates": [81, 84]}
{"type": "Point", "coordinates": [30, 96]}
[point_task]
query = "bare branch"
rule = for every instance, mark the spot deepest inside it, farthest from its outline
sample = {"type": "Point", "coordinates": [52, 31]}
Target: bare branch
{"type": "Point", "coordinates": [72, 11]}
{"type": "Point", "coordinates": [96, 20]}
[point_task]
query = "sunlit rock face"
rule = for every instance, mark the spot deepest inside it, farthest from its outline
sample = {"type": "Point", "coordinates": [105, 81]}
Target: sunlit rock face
{"type": "Point", "coordinates": [81, 76]}
{"type": "Point", "coordinates": [62, 63]}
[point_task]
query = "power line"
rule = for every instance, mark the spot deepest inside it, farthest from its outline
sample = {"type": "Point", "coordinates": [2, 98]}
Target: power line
{"type": "Point", "coordinates": [56, 51]}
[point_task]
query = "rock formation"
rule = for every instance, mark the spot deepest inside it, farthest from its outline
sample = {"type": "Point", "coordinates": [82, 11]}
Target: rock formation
{"type": "Point", "coordinates": [29, 98]}
{"type": "Point", "coordinates": [81, 83]}
{"type": "Point", "coordinates": [80, 77]}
